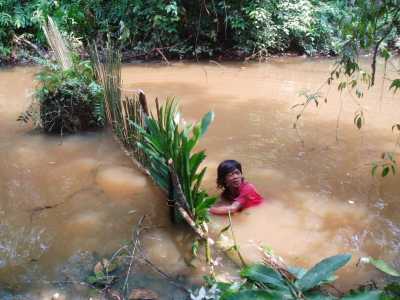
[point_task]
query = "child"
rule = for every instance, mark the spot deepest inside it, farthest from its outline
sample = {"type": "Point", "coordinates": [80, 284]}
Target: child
{"type": "Point", "coordinates": [237, 194]}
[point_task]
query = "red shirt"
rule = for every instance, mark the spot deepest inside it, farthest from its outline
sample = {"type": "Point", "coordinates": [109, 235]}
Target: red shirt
{"type": "Point", "coordinates": [248, 196]}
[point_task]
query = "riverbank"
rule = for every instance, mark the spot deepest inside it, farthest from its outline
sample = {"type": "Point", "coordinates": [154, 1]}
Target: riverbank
{"type": "Point", "coordinates": [157, 57]}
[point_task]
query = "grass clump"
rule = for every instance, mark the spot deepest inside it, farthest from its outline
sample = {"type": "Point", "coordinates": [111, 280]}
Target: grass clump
{"type": "Point", "coordinates": [68, 97]}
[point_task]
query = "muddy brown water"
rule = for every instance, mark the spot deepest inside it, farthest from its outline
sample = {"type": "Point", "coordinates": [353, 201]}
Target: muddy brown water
{"type": "Point", "coordinates": [321, 197]}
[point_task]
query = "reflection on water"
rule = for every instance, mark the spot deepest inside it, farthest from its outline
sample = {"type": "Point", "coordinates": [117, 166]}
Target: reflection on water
{"type": "Point", "coordinates": [321, 199]}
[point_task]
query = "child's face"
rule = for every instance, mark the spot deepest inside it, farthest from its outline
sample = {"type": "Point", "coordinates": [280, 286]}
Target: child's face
{"type": "Point", "coordinates": [233, 179]}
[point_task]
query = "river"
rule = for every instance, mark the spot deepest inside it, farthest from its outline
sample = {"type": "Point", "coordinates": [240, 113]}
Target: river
{"type": "Point", "coordinates": [60, 197]}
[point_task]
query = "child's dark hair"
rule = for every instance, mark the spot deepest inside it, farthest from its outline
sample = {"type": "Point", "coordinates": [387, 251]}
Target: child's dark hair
{"type": "Point", "coordinates": [225, 168]}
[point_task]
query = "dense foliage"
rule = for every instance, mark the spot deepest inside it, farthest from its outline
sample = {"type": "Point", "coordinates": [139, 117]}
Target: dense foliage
{"type": "Point", "coordinates": [66, 100]}
{"type": "Point", "coordinates": [373, 26]}
{"type": "Point", "coordinates": [182, 28]}
{"type": "Point", "coordinates": [70, 100]}
{"type": "Point", "coordinates": [170, 146]}
{"type": "Point", "coordinates": [264, 282]}
{"type": "Point", "coordinates": [17, 18]}
{"type": "Point", "coordinates": [369, 27]}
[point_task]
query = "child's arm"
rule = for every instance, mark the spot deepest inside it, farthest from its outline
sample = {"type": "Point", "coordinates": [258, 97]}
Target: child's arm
{"type": "Point", "coordinates": [226, 209]}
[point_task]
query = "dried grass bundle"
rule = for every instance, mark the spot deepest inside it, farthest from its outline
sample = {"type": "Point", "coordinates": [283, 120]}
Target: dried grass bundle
{"type": "Point", "coordinates": [58, 44]}
{"type": "Point", "coordinates": [122, 112]}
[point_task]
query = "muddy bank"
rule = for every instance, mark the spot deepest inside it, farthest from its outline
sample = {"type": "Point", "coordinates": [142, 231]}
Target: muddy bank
{"type": "Point", "coordinates": [155, 57]}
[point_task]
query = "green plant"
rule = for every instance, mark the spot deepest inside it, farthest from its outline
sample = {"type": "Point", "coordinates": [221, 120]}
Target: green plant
{"type": "Point", "coordinates": [367, 26]}
{"type": "Point", "coordinates": [182, 28]}
{"type": "Point", "coordinates": [16, 18]}
{"type": "Point", "coordinates": [371, 26]}
{"type": "Point", "coordinates": [158, 145]}
{"type": "Point", "coordinates": [103, 273]}
{"type": "Point", "coordinates": [68, 95]}
{"type": "Point", "coordinates": [70, 100]}
{"type": "Point", "coordinates": [170, 144]}
{"type": "Point", "coordinates": [268, 283]}
{"type": "Point", "coordinates": [380, 265]}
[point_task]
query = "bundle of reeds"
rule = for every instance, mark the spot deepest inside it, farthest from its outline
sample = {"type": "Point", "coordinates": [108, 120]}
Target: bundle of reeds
{"type": "Point", "coordinates": [68, 96]}
{"type": "Point", "coordinates": [120, 111]}
{"type": "Point", "coordinates": [158, 144]}
{"type": "Point", "coordinates": [60, 50]}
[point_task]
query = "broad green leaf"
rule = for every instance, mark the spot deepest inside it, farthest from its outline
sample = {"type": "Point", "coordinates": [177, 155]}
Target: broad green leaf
{"type": "Point", "coordinates": [385, 53]}
{"type": "Point", "coordinates": [321, 271]}
{"type": "Point", "coordinates": [99, 275]}
{"type": "Point", "coordinates": [393, 168]}
{"type": "Point", "coordinates": [160, 180]}
{"type": "Point", "coordinates": [91, 279]}
{"type": "Point", "coordinates": [373, 170]}
{"type": "Point", "coordinates": [365, 295]}
{"type": "Point", "coordinates": [385, 171]}
{"type": "Point", "coordinates": [395, 85]}
{"type": "Point", "coordinates": [393, 289]}
{"type": "Point", "coordinates": [205, 122]}
{"type": "Point", "coordinates": [196, 181]}
{"type": "Point", "coordinates": [195, 161]}
{"type": "Point", "coordinates": [359, 123]}
{"type": "Point", "coordinates": [331, 278]}
{"type": "Point", "coordinates": [206, 203]}
{"type": "Point", "coordinates": [297, 271]}
{"type": "Point", "coordinates": [380, 265]}
{"type": "Point", "coordinates": [264, 274]}
{"type": "Point", "coordinates": [256, 295]}
{"type": "Point", "coordinates": [195, 137]}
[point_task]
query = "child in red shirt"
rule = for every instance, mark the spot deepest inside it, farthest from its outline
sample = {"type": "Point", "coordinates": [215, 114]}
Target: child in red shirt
{"type": "Point", "coordinates": [238, 194]}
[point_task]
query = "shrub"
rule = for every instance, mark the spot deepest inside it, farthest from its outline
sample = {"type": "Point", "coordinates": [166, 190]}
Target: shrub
{"type": "Point", "coordinates": [70, 100]}
{"type": "Point", "coordinates": [183, 28]}
{"type": "Point", "coordinates": [17, 17]}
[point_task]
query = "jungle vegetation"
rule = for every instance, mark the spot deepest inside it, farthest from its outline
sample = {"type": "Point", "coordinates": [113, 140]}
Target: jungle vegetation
{"type": "Point", "coordinates": [181, 28]}
{"type": "Point", "coordinates": [370, 27]}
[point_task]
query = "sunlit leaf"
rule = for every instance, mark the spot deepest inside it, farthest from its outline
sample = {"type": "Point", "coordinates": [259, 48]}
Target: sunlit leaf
{"type": "Point", "coordinates": [385, 171]}
{"type": "Point", "coordinates": [380, 265]}
{"type": "Point", "coordinates": [373, 170]}
{"type": "Point", "coordinates": [322, 271]}
{"type": "Point", "coordinates": [205, 122]}
{"type": "Point", "coordinates": [385, 53]}
{"type": "Point", "coordinates": [264, 274]}
{"type": "Point", "coordinates": [91, 279]}
{"type": "Point", "coordinates": [297, 271]}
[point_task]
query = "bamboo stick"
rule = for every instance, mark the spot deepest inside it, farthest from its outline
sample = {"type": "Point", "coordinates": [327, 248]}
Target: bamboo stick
{"type": "Point", "coordinates": [119, 111]}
